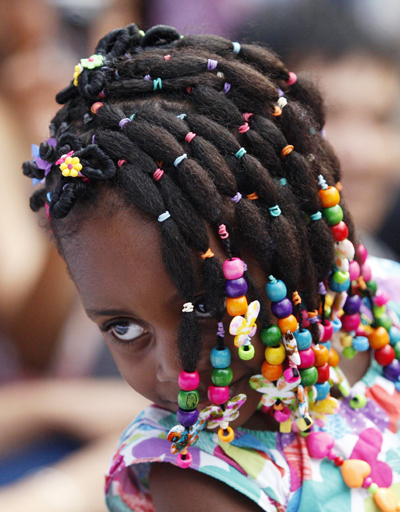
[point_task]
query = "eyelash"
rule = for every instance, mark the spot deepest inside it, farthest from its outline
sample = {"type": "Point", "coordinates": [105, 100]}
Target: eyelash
{"type": "Point", "coordinates": [108, 329]}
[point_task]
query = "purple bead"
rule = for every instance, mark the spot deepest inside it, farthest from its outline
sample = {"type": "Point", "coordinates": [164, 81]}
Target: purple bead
{"type": "Point", "coordinates": [187, 418]}
{"type": "Point", "coordinates": [352, 305]}
{"type": "Point", "coordinates": [236, 287]}
{"type": "Point", "coordinates": [282, 309]}
{"type": "Point", "coordinates": [392, 371]}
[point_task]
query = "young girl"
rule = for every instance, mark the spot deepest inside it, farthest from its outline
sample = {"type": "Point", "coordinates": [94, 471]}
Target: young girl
{"type": "Point", "coordinates": [191, 191]}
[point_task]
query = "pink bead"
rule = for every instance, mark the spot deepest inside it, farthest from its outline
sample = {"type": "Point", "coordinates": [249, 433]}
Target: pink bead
{"type": "Point", "coordinates": [218, 394]}
{"type": "Point", "coordinates": [188, 381]}
{"type": "Point", "coordinates": [360, 331]}
{"type": "Point", "coordinates": [367, 482]}
{"type": "Point", "coordinates": [366, 272]}
{"type": "Point", "coordinates": [307, 358]}
{"type": "Point", "coordinates": [319, 444]}
{"type": "Point", "coordinates": [186, 462]}
{"type": "Point", "coordinates": [362, 253]}
{"type": "Point", "coordinates": [381, 299]}
{"type": "Point", "coordinates": [328, 331]}
{"type": "Point", "coordinates": [354, 270]}
{"type": "Point", "coordinates": [233, 269]}
{"type": "Point", "coordinates": [350, 322]}
{"type": "Point", "coordinates": [306, 322]}
{"type": "Point", "coordinates": [332, 455]}
{"type": "Point", "coordinates": [289, 376]}
{"type": "Point", "coordinates": [282, 415]}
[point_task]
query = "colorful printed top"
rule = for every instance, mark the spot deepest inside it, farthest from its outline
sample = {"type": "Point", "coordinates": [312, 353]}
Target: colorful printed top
{"type": "Point", "coordinates": [274, 469]}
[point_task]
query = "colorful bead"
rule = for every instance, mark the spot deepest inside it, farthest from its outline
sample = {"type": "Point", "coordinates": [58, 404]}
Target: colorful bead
{"type": "Point", "coordinates": [271, 372]}
{"type": "Point", "coordinates": [322, 390]}
{"type": "Point", "coordinates": [385, 355]}
{"type": "Point", "coordinates": [350, 322]}
{"type": "Point", "coordinates": [340, 231]}
{"type": "Point", "coordinates": [329, 197]}
{"type": "Point", "coordinates": [372, 285]}
{"type": "Point", "coordinates": [323, 373]}
{"type": "Point", "coordinates": [233, 269]}
{"type": "Point", "coordinates": [384, 321]}
{"type": "Point", "coordinates": [321, 354]}
{"type": "Point", "coordinates": [307, 358]}
{"type": "Point", "coordinates": [236, 287]}
{"type": "Point", "coordinates": [397, 350]}
{"type": "Point", "coordinates": [360, 343]}
{"type": "Point", "coordinates": [271, 336]}
{"type": "Point", "coordinates": [220, 358]}
{"type": "Point", "coordinates": [218, 394]}
{"type": "Point", "coordinates": [362, 253]}
{"type": "Point", "coordinates": [237, 306]}
{"type": "Point", "coordinates": [337, 325]}
{"type": "Point", "coordinates": [354, 472]}
{"type": "Point", "coordinates": [338, 461]}
{"type": "Point", "coordinates": [275, 355]}
{"type": "Point", "coordinates": [327, 331]}
{"type": "Point", "coordinates": [366, 272]}
{"type": "Point", "coordinates": [184, 460]}
{"type": "Point", "coordinates": [345, 249]}
{"type": "Point", "coordinates": [187, 418]}
{"type": "Point", "coordinates": [304, 339]}
{"type": "Point", "coordinates": [319, 444]}
{"type": "Point", "coordinates": [188, 381]}
{"type": "Point", "coordinates": [333, 215]}
{"type": "Point", "coordinates": [288, 324]}
{"type": "Point", "coordinates": [392, 371]}
{"type": "Point", "coordinates": [358, 402]}
{"type": "Point", "coordinates": [386, 500]}
{"type": "Point", "coordinates": [394, 335]}
{"type": "Point", "coordinates": [340, 277]}
{"type": "Point", "coordinates": [188, 400]}
{"type": "Point", "coordinates": [309, 376]}
{"type": "Point", "coordinates": [354, 270]}
{"type": "Point", "coordinates": [276, 290]}
{"type": "Point", "coordinates": [338, 287]}
{"type": "Point", "coordinates": [333, 358]}
{"type": "Point", "coordinates": [349, 352]}
{"type": "Point", "coordinates": [378, 338]}
{"type": "Point", "coordinates": [226, 438]}
{"type": "Point", "coordinates": [352, 305]}
{"type": "Point", "coordinates": [246, 352]}
{"type": "Point", "coordinates": [282, 309]}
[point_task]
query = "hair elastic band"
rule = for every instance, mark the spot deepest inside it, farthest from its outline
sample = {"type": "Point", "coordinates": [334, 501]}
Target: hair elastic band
{"type": "Point", "coordinates": [338, 186]}
{"type": "Point", "coordinates": [221, 330]}
{"type": "Point", "coordinates": [236, 47]}
{"type": "Point", "coordinates": [147, 77]}
{"type": "Point", "coordinates": [212, 64]}
{"type": "Point", "coordinates": [252, 196]}
{"type": "Point", "coordinates": [157, 175]}
{"type": "Point", "coordinates": [275, 211]}
{"type": "Point", "coordinates": [292, 78]}
{"type": "Point", "coordinates": [240, 153]}
{"type": "Point", "coordinates": [282, 102]}
{"type": "Point", "coordinates": [142, 33]}
{"type": "Point", "coordinates": [236, 198]}
{"type": "Point", "coordinates": [132, 117]}
{"type": "Point", "coordinates": [223, 233]}
{"type": "Point", "coordinates": [167, 57]}
{"type": "Point", "coordinates": [321, 288]}
{"type": "Point", "coordinates": [247, 115]}
{"type": "Point", "coordinates": [283, 181]}
{"type": "Point", "coordinates": [296, 298]}
{"type": "Point", "coordinates": [181, 116]}
{"type": "Point", "coordinates": [164, 216]}
{"type": "Point", "coordinates": [123, 122]}
{"type": "Point", "coordinates": [48, 197]}
{"type": "Point", "coordinates": [287, 150]}
{"type": "Point", "coordinates": [312, 316]}
{"type": "Point", "coordinates": [277, 111]}
{"type": "Point", "coordinates": [322, 182]}
{"type": "Point", "coordinates": [116, 74]}
{"type": "Point", "coordinates": [316, 216]}
{"type": "Point", "coordinates": [220, 74]}
{"type": "Point", "coordinates": [188, 307]}
{"type": "Point", "coordinates": [227, 87]}
{"type": "Point", "coordinates": [121, 162]}
{"type": "Point", "coordinates": [157, 84]}
{"type": "Point", "coordinates": [93, 139]}
{"type": "Point", "coordinates": [244, 128]}
{"type": "Point", "coordinates": [189, 137]}
{"type": "Point", "coordinates": [95, 107]}
{"type": "Point", "coordinates": [180, 159]}
{"type": "Point", "coordinates": [208, 254]}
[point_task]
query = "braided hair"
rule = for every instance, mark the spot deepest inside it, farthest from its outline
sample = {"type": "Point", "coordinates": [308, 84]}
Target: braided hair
{"type": "Point", "coordinates": [192, 130]}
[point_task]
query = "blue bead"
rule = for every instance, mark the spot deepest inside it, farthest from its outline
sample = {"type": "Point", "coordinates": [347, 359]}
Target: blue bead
{"type": "Point", "coordinates": [360, 343]}
{"type": "Point", "coordinates": [327, 344]}
{"type": "Point", "coordinates": [322, 390]}
{"type": "Point", "coordinates": [394, 334]}
{"type": "Point", "coordinates": [338, 287]}
{"type": "Point", "coordinates": [337, 325]}
{"type": "Point", "coordinates": [220, 358]}
{"type": "Point", "coordinates": [276, 291]}
{"type": "Point", "coordinates": [303, 339]}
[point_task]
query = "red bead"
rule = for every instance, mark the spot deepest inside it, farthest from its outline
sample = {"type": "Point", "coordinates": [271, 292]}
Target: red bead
{"type": "Point", "coordinates": [340, 231]}
{"type": "Point", "coordinates": [338, 461]}
{"type": "Point", "coordinates": [385, 355]}
{"type": "Point", "coordinates": [323, 373]}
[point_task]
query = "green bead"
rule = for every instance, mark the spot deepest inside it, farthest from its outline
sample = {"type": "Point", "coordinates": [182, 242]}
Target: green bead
{"type": "Point", "coordinates": [373, 488]}
{"type": "Point", "coordinates": [384, 321]}
{"type": "Point", "coordinates": [309, 376]}
{"type": "Point", "coordinates": [371, 284]}
{"type": "Point", "coordinates": [358, 402]}
{"type": "Point", "coordinates": [188, 400]}
{"type": "Point", "coordinates": [379, 311]}
{"type": "Point", "coordinates": [397, 350]}
{"type": "Point", "coordinates": [340, 276]}
{"type": "Point", "coordinates": [222, 376]}
{"type": "Point", "coordinates": [271, 336]}
{"type": "Point", "coordinates": [333, 215]}
{"type": "Point", "coordinates": [246, 352]}
{"type": "Point", "coordinates": [349, 352]}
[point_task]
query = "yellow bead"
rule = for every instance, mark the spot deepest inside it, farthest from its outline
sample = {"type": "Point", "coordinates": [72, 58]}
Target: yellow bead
{"type": "Point", "coordinates": [386, 500]}
{"type": "Point", "coordinates": [304, 423]}
{"type": "Point", "coordinates": [346, 340]}
{"type": "Point", "coordinates": [354, 472]}
{"type": "Point", "coordinates": [275, 355]}
{"type": "Point", "coordinates": [285, 427]}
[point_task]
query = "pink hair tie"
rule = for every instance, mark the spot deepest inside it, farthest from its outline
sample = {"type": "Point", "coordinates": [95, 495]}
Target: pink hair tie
{"type": "Point", "coordinates": [121, 162]}
{"type": "Point", "coordinates": [244, 128]}
{"type": "Point", "coordinates": [246, 116]}
{"type": "Point", "coordinates": [189, 137]}
{"type": "Point", "coordinates": [157, 175]}
{"type": "Point", "coordinates": [167, 57]}
{"type": "Point", "coordinates": [292, 78]}
{"type": "Point", "coordinates": [223, 233]}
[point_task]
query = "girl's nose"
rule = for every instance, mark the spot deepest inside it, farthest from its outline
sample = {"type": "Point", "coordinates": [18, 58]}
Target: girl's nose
{"type": "Point", "coordinates": [168, 364]}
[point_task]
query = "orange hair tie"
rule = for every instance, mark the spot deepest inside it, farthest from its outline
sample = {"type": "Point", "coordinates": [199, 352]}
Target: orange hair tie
{"type": "Point", "coordinates": [287, 150]}
{"type": "Point", "coordinates": [312, 314]}
{"type": "Point", "coordinates": [252, 196]}
{"type": "Point", "coordinates": [338, 186]}
{"type": "Point", "coordinates": [296, 298]}
{"type": "Point", "coordinates": [361, 283]}
{"type": "Point", "coordinates": [277, 111]}
{"type": "Point", "coordinates": [208, 254]}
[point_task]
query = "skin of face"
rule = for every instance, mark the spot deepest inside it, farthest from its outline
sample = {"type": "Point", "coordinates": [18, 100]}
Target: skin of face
{"type": "Point", "coordinates": [116, 263]}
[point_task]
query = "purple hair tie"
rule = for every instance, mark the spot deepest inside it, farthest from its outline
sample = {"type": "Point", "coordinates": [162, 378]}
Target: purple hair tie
{"type": "Point", "coordinates": [244, 266]}
{"type": "Point", "coordinates": [212, 64]}
{"type": "Point", "coordinates": [321, 288]}
{"type": "Point", "coordinates": [221, 330]}
{"type": "Point", "coordinates": [236, 198]}
{"type": "Point", "coordinates": [123, 122]}
{"type": "Point", "coordinates": [227, 87]}
{"type": "Point", "coordinates": [147, 77]}
{"type": "Point", "coordinates": [313, 320]}
{"type": "Point", "coordinates": [280, 92]}
{"type": "Point", "coordinates": [93, 139]}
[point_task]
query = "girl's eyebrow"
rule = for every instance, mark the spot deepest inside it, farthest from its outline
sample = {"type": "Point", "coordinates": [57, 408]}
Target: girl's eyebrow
{"type": "Point", "coordinates": [109, 312]}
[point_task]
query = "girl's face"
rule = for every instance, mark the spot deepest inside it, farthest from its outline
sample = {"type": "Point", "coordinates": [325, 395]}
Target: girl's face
{"type": "Point", "coordinates": [116, 263]}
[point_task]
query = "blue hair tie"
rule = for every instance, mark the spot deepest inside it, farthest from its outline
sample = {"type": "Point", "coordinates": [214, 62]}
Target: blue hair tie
{"type": "Point", "coordinates": [241, 153]}
{"type": "Point", "coordinates": [316, 216]}
{"type": "Point", "coordinates": [180, 159]}
{"type": "Point", "coordinates": [164, 216]}
{"type": "Point", "coordinates": [283, 181]}
{"type": "Point", "coordinates": [132, 117]}
{"type": "Point", "coordinates": [157, 84]}
{"type": "Point", "coordinates": [275, 211]}
{"type": "Point", "coordinates": [48, 196]}
{"type": "Point", "coordinates": [236, 47]}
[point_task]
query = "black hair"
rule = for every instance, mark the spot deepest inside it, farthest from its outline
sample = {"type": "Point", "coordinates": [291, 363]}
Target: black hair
{"type": "Point", "coordinates": [188, 125]}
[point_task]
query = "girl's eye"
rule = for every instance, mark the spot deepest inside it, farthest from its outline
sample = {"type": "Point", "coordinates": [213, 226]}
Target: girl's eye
{"type": "Point", "coordinates": [200, 308]}
{"type": "Point", "coordinates": [126, 331]}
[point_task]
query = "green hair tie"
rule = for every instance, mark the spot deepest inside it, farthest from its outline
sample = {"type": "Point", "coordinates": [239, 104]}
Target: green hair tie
{"type": "Point", "coordinates": [157, 84]}
{"type": "Point", "coordinates": [275, 211]}
{"type": "Point", "coordinates": [241, 153]}
{"type": "Point", "coordinates": [283, 181]}
{"type": "Point", "coordinates": [316, 216]}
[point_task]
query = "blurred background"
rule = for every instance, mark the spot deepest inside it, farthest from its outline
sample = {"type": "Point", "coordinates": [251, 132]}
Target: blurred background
{"type": "Point", "coordinates": [62, 404]}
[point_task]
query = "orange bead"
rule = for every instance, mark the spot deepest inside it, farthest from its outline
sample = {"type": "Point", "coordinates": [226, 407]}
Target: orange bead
{"type": "Point", "coordinates": [271, 371]}
{"type": "Point", "coordinates": [354, 472]}
{"type": "Point", "coordinates": [237, 306]}
{"type": "Point", "coordinates": [321, 354]}
{"type": "Point", "coordinates": [378, 338]}
{"type": "Point", "coordinates": [329, 197]}
{"type": "Point", "coordinates": [287, 324]}
{"type": "Point", "coordinates": [333, 357]}
{"type": "Point", "coordinates": [226, 438]}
